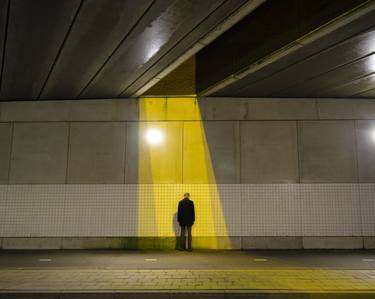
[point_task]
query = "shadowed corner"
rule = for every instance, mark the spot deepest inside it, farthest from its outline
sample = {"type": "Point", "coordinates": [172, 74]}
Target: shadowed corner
{"type": "Point", "coordinates": [174, 158]}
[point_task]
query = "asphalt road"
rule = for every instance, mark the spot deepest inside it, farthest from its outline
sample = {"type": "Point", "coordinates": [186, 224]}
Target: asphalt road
{"type": "Point", "coordinates": [117, 259]}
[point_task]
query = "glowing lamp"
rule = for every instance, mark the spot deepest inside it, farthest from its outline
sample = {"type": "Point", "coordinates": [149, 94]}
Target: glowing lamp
{"type": "Point", "coordinates": [154, 136]}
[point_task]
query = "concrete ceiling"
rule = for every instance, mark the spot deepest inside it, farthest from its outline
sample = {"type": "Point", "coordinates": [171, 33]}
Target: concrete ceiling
{"type": "Point", "coordinates": [335, 60]}
{"type": "Point", "coordinates": [97, 48]}
{"type": "Point", "coordinates": [74, 49]}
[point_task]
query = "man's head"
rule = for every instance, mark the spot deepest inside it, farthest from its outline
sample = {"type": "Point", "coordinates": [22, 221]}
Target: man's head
{"type": "Point", "coordinates": [186, 195]}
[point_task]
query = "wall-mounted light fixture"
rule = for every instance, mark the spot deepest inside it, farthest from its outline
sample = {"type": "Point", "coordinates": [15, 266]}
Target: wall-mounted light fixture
{"type": "Point", "coordinates": [154, 136]}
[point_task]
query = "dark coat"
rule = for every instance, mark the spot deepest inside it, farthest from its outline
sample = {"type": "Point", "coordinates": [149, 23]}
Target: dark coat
{"type": "Point", "coordinates": [186, 213]}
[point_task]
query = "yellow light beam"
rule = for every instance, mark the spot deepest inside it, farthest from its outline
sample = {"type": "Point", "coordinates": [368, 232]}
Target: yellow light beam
{"type": "Point", "coordinates": [178, 161]}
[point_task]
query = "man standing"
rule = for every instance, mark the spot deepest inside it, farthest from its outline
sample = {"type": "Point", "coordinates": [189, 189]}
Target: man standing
{"type": "Point", "coordinates": [186, 218]}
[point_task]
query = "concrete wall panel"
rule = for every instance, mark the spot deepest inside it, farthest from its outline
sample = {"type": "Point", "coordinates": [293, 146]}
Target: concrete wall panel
{"type": "Point", "coordinates": [35, 111]}
{"type": "Point", "coordinates": [271, 243]}
{"type": "Point", "coordinates": [132, 153]}
{"type": "Point", "coordinates": [332, 242]}
{"type": "Point", "coordinates": [327, 152]}
{"type": "Point", "coordinates": [223, 141]}
{"type": "Point", "coordinates": [31, 243]}
{"type": "Point", "coordinates": [365, 130]}
{"type": "Point", "coordinates": [346, 108]}
{"type": "Point", "coordinates": [269, 152]}
{"type": "Point", "coordinates": [226, 109]}
{"type": "Point", "coordinates": [281, 109]}
{"type": "Point", "coordinates": [5, 148]}
{"type": "Point", "coordinates": [126, 109]}
{"type": "Point", "coordinates": [97, 153]}
{"type": "Point", "coordinates": [39, 153]}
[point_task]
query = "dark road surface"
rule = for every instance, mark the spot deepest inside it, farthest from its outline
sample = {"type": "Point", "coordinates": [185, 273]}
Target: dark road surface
{"type": "Point", "coordinates": [116, 259]}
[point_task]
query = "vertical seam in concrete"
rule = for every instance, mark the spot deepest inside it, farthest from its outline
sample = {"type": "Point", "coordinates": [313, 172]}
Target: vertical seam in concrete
{"type": "Point", "coordinates": [125, 150]}
{"type": "Point", "coordinates": [356, 150]}
{"type": "Point", "coordinates": [126, 153]}
{"type": "Point", "coordinates": [10, 151]}
{"type": "Point", "coordinates": [239, 161]}
{"type": "Point", "coordinates": [65, 186]}
{"type": "Point", "coordinates": [183, 150]}
{"type": "Point", "coordinates": [298, 140]}
{"type": "Point", "coordinates": [240, 183]}
{"type": "Point", "coordinates": [67, 154]}
{"type": "Point", "coordinates": [358, 181]}
{"type": "Point", "coordinates": [63, 223]}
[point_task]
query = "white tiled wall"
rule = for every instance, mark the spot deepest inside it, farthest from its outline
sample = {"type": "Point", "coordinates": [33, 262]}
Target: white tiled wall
{"type": "Point", "coordinates": [367, 196]}
{"type": "Point", "coordinates": [330, 209]}
{"type": "Point", "coordinates": [238, 209]}
{"type": "Point", "coordinates": [270, 210]}
{"type": "Point", "coordinates": [100, 210]}
{"type": "Point", "coordinates": [34, 210]}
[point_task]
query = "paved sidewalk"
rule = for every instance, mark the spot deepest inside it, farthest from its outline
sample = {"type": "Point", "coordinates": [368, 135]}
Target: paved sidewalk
{"type": "Point", "coordinates": [118, 280]}
{"type": "Point", "coordinates": [198, 272]}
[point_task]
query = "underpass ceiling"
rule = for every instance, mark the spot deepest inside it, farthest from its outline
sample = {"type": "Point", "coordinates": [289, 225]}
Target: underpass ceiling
{"type": "Point", "coordinates": [97, 48]}
{"type": "Point", "coordinates": [113, 49]}
{"type": "Point", "coordinates": [339, 63]}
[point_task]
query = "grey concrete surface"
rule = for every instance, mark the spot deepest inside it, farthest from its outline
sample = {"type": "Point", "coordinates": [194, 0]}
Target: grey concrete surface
{"type": "Point", "coordinates": [104, 110]}
{"type": "Point", "coordinates": [327, 151]}
{"type": "Point", "coordinates": [5, 149]}
{"type": "Point", "coordinates": [223, 142]}
{"type": "Point", "coordinates": [92, 243]}
{"type": "Point", "coordinates": [332, 242]}
{"type": "Point", "coordinates": [365, 131]}
{"type": "Point", "coordinates": [226, 109]}
{"type": "Point", "coordinates": [132, 153]}
{"type": "Point", "coordinates": [282, 109]}
{"type": "Point", "coordinates": [35, 111]}
{"type": "Point", "coordinates": [96, 153]}
{"type": "Point", "coordinates": [272, 243]}
{"type": "Point", "coordinates": [57, 111]}
{"type": "Point", "coordinates": [31, 243]}
{"type": "Point", "coordinates": [369, 242]}
{"type": "Point", "coordinates": [39, 153]}
{"type": "Point", "coordinates": [210, 108]}
{"type": "Point", "coordinates": [199, 243]}
{"type": "Point", "coordinates": [346, 108]}
{"type": "Point", "coordinates": [269, 152]}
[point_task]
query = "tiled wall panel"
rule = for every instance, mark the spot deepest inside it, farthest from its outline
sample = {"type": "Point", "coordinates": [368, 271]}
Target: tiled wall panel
{"type": "Point", "coordinates": [330, 209]}
{"type": "Point", "coordinates": [367, 196]}
{"type": "Point", "coordinates": [34, 210]}
{"type": "Point", "coordinates": [270, 210]}
{"type": "Point", "coordinates": [3, 202]}
{"type": "Point", "coordinates": [224, 209]}
{"type": "Point", "coordinates": [100, 210]}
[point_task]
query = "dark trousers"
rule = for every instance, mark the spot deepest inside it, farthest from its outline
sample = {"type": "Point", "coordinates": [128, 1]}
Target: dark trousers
{"type": "Point", "coordinates": [183, 237]}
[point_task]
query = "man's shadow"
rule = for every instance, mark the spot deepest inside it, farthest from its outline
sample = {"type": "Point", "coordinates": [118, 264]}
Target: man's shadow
{"type": "Point", "coordinates": [176, 229]}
